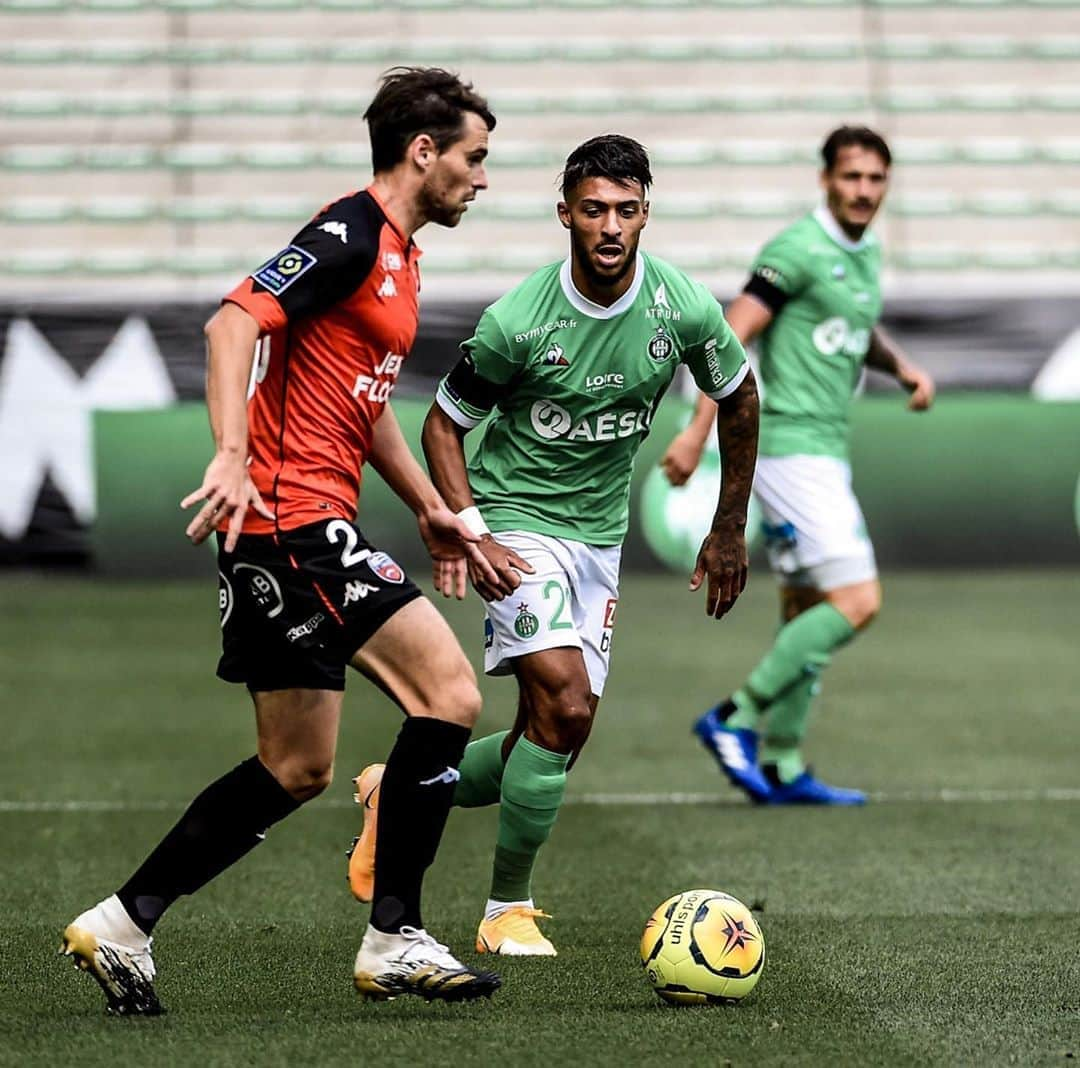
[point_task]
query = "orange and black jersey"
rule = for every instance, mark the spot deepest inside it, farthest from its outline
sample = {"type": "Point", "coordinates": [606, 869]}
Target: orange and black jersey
{"type": "Point", "coordinates": [338, 312]}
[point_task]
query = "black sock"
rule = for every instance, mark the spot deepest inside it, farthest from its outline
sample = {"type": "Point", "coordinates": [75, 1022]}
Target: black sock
{"type": "Point", "coordinates": [414, 801]}
{"type": "Point", "coordinates": [223, 823]}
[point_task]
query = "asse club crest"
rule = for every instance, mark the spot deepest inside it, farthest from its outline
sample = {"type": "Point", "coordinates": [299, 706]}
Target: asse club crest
{"type": "Point", "coordinates": [526, 624]}
{"type": "Point", "coordinates": [660, 345]}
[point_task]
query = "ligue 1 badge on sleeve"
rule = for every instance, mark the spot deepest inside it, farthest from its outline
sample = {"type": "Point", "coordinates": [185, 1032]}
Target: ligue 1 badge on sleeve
{"type": "Point", "coordinates": [660, 345]}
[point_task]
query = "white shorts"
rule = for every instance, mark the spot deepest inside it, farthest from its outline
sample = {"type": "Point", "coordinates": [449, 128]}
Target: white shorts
{"type": "Point", "coordinates": [569, 602]}
{"type": "Point", "coordinates": [815, 534]}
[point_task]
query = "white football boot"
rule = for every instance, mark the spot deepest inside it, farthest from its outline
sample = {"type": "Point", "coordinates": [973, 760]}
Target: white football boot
{"type": "Point", "coordinates": [107, 943]}
{"type": "Point", "coordinates": [412, 962]}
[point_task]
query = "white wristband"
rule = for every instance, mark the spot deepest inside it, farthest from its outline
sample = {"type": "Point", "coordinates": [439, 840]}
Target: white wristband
{"type": "Point", "coordinates": [472, 518]}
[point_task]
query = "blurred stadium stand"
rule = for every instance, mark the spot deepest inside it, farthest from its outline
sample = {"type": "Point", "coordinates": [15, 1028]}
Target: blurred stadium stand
{"type": "Point", "coordinates": [152, 151]}
{"type": "Point", "coordinates": [161, 146]}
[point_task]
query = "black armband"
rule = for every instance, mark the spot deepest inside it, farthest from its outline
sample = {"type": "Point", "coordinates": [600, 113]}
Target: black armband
{"type": "Point", "coordinates": [761, 285]}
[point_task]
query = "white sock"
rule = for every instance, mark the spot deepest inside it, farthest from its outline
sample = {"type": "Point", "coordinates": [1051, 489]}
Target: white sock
{"type": "Point", "coordinates": [497, 908]}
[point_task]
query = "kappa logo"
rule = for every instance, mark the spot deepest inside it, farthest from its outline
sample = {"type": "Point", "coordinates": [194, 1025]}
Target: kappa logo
{"type": "Point", "coordinates": [449, 776]}
{"type": "Point", "coordinates": [305, 629]}
{"type": "Point", "coordinates": [388, 289]}
{"type": "Point", "coordinates": [384, 566]}
{"type": "Point", "coordinates": [357, 591]}
{"type": "Point", "coordinates": [337, 229]}
{"type": "Point", "coordinates": [556, 356]}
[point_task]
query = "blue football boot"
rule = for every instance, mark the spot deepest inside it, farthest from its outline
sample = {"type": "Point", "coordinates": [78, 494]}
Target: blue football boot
{"type": "Point", "coordinates": [735, 749]}
{"type": "Point", "coordinates": [806, 790]}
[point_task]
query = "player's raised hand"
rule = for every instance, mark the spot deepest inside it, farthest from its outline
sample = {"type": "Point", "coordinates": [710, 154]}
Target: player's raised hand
{"type": "Point", "coordinates": [921, 387]}
{"type": "Point", "coordinates": [227, 492]}
{"type": "Point", "coordinates": [682, 457]}
{"type": "Point", "coordinates": [722, 558]}
{"type": "Point", "coordinates": [497, 571]}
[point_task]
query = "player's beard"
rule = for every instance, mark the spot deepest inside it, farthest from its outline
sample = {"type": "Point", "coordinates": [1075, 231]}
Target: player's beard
{"type": "Point", "coordinates": [581, 256]}
{"type": "Point", "coordinates": [439, 209]}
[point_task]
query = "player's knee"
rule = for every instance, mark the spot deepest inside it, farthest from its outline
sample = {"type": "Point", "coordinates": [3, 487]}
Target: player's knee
{"type": "Point", "coordinates": [456, 698]}
{"type": "Point", "coordinates": [304, 779]}
{"type": "Point", "coordinates": [861, 605]}
{"type": "Point", "coordinates": [562, 719]}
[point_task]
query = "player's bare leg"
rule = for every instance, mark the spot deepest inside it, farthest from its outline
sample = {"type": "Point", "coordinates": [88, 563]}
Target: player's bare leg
{"type": "Point", "coordinates": [416, 659]}
{"type": "Point", "coordinates": [297, 733]}
{"type": "Point", "coordinates": [555, 716]}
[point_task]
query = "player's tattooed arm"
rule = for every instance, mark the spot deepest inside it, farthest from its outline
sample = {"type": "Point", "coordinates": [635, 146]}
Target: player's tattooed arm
{"type": "Point", "coordinates": [722, 557]}
{"type": "Point", "coordinates": [886, 355]}
{"type": "Point", "coordinates": [494, 569]}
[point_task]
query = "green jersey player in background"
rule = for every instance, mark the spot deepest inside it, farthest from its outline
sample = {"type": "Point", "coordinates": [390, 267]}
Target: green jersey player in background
{"type": "Point", "coordinates": [571, 365]}
{"type": "Point", "coordinates": [812, 303]}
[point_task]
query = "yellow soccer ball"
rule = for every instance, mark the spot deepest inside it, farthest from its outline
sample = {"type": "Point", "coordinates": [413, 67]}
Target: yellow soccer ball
{"type": "Point", "coordinates": [703, 947]}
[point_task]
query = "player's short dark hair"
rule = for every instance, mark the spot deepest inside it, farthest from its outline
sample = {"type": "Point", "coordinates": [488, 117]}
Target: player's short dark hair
{"type": "Point", "coordinates": [620, 159]}
{"type": "Point", "coordinates": [846, 136]}
{"type": "Point", "coordinates": [418, 100]}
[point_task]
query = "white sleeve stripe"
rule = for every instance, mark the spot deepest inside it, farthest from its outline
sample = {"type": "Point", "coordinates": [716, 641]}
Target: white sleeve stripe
{"type": "Point", "coordinates": [733, 384]}
{"type": "Point", "coordinates": [444, 401]}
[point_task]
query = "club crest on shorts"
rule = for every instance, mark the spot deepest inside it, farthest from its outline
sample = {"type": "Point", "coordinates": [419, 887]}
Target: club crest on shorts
{"type": "Point", "coordinates": [660, 345]}
{"type": "Point", "coordinates": [526, 625]}
{"type": "Point", "coordinates": [383, 566]}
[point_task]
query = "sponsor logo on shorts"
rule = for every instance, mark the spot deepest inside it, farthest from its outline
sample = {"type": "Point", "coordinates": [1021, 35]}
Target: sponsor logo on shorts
{"type": "Point", "coordinates": [305, 629]}
{"type": "Point", "coordinates": [609, 613]}
{"type": "Point", "coordinates": [660, 347]}
{"type": "Point", "coordinates": [449, 776]}
{"type": "Point", "coordinates": [489, 634]}
{"type": "Point", "coordinates": [386, 569]}
{"type": "Point", "coordinates": [279, 272]}
{"type": "Point", "coordinates": [357, 591]}
{"type": "Point", "coordinates": [225, 599]}
{"type": "Point", "coordinates": [526, 624]}
{"type": "Point", "coordinates": [264, 589]}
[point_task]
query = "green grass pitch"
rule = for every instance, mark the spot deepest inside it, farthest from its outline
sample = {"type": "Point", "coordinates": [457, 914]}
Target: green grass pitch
{"type": "Point", "coordinates": [929, 928]}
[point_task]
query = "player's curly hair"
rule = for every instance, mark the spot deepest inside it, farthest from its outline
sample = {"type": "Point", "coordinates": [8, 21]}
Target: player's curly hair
{"type": "Point", "coordinates": [418, 100]}
{"type": "Point", "coordinates": [613, 156]}
{"type": "Point", "coordinates": [846, 136]}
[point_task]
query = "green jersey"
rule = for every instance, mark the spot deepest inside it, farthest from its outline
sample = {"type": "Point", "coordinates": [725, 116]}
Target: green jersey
{"type": "Point", "coordinates": [824, 293]}
{"type": "Point", "coordinates": [576, 386]}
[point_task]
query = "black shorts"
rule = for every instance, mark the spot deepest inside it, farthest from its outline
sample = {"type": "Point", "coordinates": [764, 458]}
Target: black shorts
{"type": "Point", "coordinates": [296, 606]}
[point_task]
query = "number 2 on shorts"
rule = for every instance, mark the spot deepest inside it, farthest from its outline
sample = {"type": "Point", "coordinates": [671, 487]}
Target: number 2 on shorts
{"type": "Point", "coordinates": [557, 622]}
{"type": "Point", "coordinates": [339, 530]}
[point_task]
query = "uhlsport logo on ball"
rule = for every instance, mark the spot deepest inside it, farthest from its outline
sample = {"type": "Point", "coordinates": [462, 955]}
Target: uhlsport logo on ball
{"type": "Point", "coordinates": [703, 947]}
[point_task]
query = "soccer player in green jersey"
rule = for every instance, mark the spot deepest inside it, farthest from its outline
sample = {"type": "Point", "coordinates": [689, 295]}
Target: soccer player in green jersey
{"type": "Point", "coordinates": [570, 366]}
{"type": "Point", "coordinates": [812, 303]}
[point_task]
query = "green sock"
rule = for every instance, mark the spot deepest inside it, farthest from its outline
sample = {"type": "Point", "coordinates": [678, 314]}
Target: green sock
{"type": "Point", "coordinates": [785, 727]}
{"type": "Point", "coordinates": [481, 771]}
{"type": "Point", "coordinates": [809, 639]}
{"type": "Point", "coordinates": [533, 784]}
